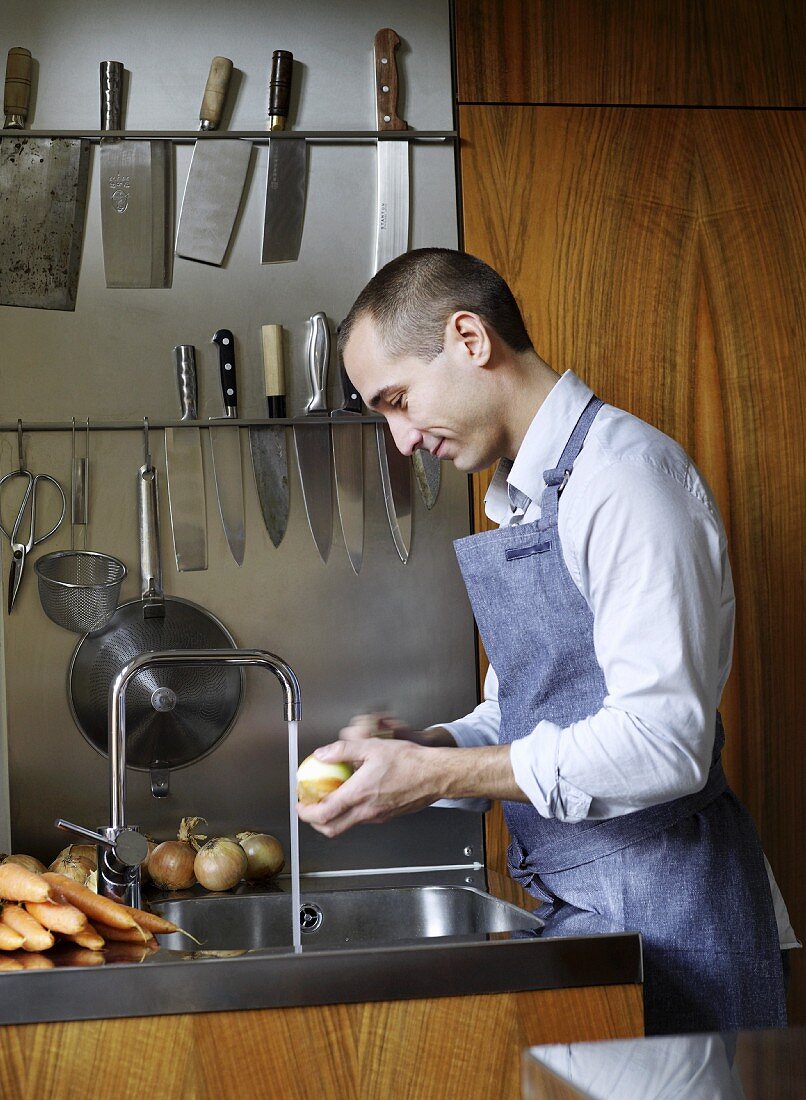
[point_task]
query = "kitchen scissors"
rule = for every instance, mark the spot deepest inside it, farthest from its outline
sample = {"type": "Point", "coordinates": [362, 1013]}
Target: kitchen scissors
{"type": "Point", "coordinates": [26, 514]}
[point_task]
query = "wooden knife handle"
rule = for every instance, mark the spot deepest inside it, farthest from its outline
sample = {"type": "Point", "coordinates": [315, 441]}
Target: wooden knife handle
{"type": "Point", "coordinates": [215, 93]}
{"type": "Point", "coordinates": [386, 80]}
{"type": "Point", "coordinates": [282, 68]}
{"type": "Point", "coordinates": [273, 368]}
{"type": "Point", "coordinates": [18, 87]}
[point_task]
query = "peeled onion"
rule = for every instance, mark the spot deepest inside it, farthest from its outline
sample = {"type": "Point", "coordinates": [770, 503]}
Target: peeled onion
{"type": "Point", "coordinates": [264, 854]}
{"type": "Point", "coordinates": [220, 864]}
{"type": "Point", "coordinates": [30, 863]}
{"type": "Point", "coordinates": [316, 779]}
{"type": "Point", "coordinates": [170, 865]}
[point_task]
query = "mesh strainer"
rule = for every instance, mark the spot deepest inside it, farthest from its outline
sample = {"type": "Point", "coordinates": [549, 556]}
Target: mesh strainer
{"type": "Point", "coordinates": [79, 589]}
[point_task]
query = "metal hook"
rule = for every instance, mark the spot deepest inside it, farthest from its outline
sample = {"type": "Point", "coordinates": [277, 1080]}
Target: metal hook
{"type": "Point", "coordinates": [20, 450]}
{"type": "Point", "coordinates": [146, 450]}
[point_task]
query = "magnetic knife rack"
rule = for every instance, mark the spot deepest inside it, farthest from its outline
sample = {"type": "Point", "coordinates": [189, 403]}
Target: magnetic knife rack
{"type": "Point", "coordinates": [157, 425]}
{"type": "Point", "coordinates": [180, 137]}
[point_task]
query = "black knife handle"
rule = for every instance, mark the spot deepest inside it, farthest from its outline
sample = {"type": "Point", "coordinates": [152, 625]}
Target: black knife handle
{"type": "Point", "coordinates": [386, 80]}
{"type": "Point", "coordinates": [17, 92]}
{"type": "Point", "coordinates": [111, 95]}
{"type": "Point", "coordinates": [351, 396]}
{"type": "Point", "coordinates": [271, 337]}
{"type": "Point", "coordinates": [282, 68]}
{"type": "Point", "coordinates": [215, 93]}
{"type": "Point", "coordinates": [226, 370]}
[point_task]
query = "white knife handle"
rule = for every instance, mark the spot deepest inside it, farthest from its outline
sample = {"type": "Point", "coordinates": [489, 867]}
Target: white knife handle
{"type": "Point", "coordinates": [273, 368]}
{"type": "Point", "coordinates": [18, 87]}
{"type": "Point", "coordinates": [185, 356]}
{"type": "Point", "coordinates": [215, 93]}
{"type": "Point", "coordinates": [318, 358]}
{"type": "Point", "coordinates": [111, 95]}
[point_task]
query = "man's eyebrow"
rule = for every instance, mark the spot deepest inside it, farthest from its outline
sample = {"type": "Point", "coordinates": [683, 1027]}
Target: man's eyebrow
{"type": "Point", "coordinates": [376, 399]}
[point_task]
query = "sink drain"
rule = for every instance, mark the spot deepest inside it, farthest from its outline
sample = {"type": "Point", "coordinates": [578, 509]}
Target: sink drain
{"type": "Point", "coordinates": [310, 917]}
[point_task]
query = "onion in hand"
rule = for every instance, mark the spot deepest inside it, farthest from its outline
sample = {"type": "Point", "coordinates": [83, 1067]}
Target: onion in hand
{"type": "Point", "coordinates": [264, 854]}
{"type": "Point", "coordinates": [317, 779]}
{"type": "Point", "coordinates": [220, 864]}
{"type": "Point", "coordinates": [170, 865]}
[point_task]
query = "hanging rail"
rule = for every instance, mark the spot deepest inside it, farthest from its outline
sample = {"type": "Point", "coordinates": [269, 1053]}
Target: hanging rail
{"type": "Point", "coordinates": [137, 425]}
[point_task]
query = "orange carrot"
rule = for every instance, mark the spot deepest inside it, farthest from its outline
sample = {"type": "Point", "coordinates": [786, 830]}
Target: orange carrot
{"type": "Point", "coordinates": [58, 916]}
{"type": "Point", "coordinates": [9, 939]}
{"type": "Point", "coordinates": [34, 961]}
{"type": "Point", "coordinates": [122, 935]}
{"type": "Point", "coordinates": [73, 955]}
{"type": "Point", "coordinates": [35, 937]}
{"type": "Point", "coordinates": [152, 922]}
{"type": "Point", "coordinates": [19, 884]}
{"type": "Point", "coordinates": [89, 938]}
{"type": "Point", "coordinates": [96, 907]}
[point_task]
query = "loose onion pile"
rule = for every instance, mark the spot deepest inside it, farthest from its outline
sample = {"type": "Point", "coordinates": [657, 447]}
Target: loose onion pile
{"type": "Point", "coordinates": [218, 863]}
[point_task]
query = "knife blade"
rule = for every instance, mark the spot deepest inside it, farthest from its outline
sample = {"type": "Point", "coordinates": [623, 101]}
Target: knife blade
{"type": "Point", "coordinates": [348, 466]}
{"type": "Point", "coordinates": [267, 445]}
{"type": "Point", "coordinates": [134, 197]}
{"type": "Point", "coordinates": [226, 449]}
{"type": "Point", "coordinates": [43, 195]}
{"type": "Point", "coordinates": [183, 462]}
{"type": "Point", "coordinates": [392, 225]}
{"type": "Point", "coordinates": [215, 181]}
{"type": "Point", "coordinates": [396, 484]}
{"type": "Point", "coordinates": [312, 440]}
{"type": "Point", "coordinates": [286, 175]}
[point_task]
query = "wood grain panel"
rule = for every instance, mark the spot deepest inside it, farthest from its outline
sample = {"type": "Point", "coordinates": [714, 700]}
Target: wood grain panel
{"type": "Point", "coordinates": [660, 254]}
{"type": "Point", "coordinates": [412, 1050]}
{"type": "Point", "coordinates": [745, 53]}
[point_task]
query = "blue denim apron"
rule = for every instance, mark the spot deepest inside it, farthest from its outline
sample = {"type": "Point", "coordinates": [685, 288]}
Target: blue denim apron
{"type": "Point", "coordinates": [687, 874]}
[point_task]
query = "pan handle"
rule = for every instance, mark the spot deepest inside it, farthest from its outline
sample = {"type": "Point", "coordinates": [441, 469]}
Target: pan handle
{"type": "Point", "coordinates": [148, 515]}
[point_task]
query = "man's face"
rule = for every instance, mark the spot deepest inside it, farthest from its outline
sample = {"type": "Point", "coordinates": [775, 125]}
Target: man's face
{"type": "Point", "coordinates": [442, 406]}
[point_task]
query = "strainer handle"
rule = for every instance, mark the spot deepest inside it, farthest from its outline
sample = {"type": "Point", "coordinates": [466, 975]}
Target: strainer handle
{"type": "Point", "coordinates": [148, 514]}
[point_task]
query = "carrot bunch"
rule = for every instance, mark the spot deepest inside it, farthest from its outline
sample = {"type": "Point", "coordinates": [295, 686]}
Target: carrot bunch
{"type": "Point", "coordinates": [38, 910]}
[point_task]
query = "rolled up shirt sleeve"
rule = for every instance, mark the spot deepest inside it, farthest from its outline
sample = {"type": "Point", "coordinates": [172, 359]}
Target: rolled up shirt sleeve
{"type": "Point", "coordinates": [650, 559]}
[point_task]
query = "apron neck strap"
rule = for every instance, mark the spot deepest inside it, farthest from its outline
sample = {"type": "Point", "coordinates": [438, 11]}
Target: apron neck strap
{"type": "Point", "coordinates": [557, 478]}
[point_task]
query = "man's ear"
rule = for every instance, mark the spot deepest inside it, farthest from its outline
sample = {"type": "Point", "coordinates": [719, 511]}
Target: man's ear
{"type": "Point", "coordinates": [467, 336]}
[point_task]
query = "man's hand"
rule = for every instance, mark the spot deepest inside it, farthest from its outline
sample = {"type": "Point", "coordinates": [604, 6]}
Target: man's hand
{"type": "Point", "coordinates": [363, 726]}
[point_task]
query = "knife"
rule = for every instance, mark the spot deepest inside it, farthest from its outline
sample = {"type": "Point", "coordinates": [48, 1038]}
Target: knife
{"type": "Point", "coordinates": [134, 197]}
{"type": "Point", "coordinates": [215, 181]}
{"type": "Point", "coordinates": [348, 465]}
{"type": "Point", "coordinates": [312, 440]}
{"type": "Point", "coordinates": [392, 223]}
{"type": "Point", "coordinates": [267, 445]}
{"type": "Point", "coordinates": [43, 196]}
{"type": "Point", "coordinates": [285, 178]}
{"type": "Point", "coordinates": [183, 461]}
{"type": "Point", "coordinates": [226, 449]}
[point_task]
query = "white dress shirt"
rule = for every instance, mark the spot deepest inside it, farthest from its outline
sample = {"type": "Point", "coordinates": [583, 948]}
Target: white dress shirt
{"type": "Point", "coordinates": [645, 545]}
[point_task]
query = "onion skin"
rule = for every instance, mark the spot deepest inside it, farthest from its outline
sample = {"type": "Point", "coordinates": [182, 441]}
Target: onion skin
{"type": "Point", "coordinates": [77, 868]}
{"type": "Point", "coordinates": [30, 863]}
{"type": "Point", "coordinates": [170, 865]}
{"type": "Point", "coordinates": [220, 864]}
{"type": "Point", "coordinates": [316, 779]}
{"type": "Point", "coordinates": [264, 854]}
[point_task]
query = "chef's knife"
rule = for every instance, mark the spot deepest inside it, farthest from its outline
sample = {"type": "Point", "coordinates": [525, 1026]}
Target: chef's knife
{"type": "Point", "coordinates": [392, 225]}
{"type": "Point", "coordinates": [183, 461]}
{"type": "Point", "coordinates": [312, 440]}
{"type": "Point", "coordinates": [135, 207]}
{"type": "Point", "coordinates": [226, 448]}
{"type": "Point", "coordinates": [348, 465]}
{"type": "Point", "coordinates": [285, 178]}
{"type": "Point", "coordinates": [267, 444]}
{"type": "Point", "coordinates": [215, 181]}
{"type": "Point", "coordinates": [43, 195]}
{"type": "Point", "coordinates": [396, 482]}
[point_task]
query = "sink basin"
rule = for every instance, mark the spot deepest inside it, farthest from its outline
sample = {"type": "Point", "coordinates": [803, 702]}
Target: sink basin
{"type": "Point", "coordinates": [335, 918]}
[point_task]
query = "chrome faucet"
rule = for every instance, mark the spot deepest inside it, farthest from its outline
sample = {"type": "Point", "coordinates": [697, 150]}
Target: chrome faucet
{"type": "Point", "coordinates": [122, 849]}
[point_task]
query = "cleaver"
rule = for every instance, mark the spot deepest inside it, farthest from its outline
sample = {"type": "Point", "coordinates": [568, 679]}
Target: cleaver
{"type": "Point", "coordinates": [215, 181]}
{"type": "Point", "coordinates": [135, 202]}
{"type": "Point", "coordinates": [267, 444]}
{"type": "Point", "coordinates": [183, 461]}
{"type": "Point", "coordinates": [43, 195]}
{"type": "Point", "coordinates": [285, 178]}
{"type": "Point", "coordinates": [392, 218]}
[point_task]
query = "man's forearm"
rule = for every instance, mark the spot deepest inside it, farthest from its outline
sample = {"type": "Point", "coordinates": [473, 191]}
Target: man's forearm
{"type": "Point", "coordinates": [476, 773]}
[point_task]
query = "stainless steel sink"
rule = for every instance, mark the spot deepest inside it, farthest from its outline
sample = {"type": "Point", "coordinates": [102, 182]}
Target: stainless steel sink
{"type": "Point", "coordinates": [351, 918]}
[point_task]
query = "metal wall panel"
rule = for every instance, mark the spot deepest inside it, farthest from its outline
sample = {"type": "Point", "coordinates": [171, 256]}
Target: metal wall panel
{"type": "Point", "coordinates": [397, 636]}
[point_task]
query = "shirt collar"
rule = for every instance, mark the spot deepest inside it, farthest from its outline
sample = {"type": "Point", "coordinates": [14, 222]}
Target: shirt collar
{"type": "Point", "coordinates": [541, 448]}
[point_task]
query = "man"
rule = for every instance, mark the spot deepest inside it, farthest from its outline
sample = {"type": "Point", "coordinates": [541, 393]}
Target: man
{"type": "Point", "coordinates": [605, 604]}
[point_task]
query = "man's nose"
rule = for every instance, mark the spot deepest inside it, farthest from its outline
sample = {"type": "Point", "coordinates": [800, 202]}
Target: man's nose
{"type": "Point", "coordinates": [407, 439]}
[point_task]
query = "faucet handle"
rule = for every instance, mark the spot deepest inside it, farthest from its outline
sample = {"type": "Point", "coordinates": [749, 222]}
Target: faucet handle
{"type": "Point", "coordinates": [128, 846]}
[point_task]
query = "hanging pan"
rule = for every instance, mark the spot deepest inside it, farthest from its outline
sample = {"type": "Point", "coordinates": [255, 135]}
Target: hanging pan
{"type": "Point", "coordinates": [174, 716]}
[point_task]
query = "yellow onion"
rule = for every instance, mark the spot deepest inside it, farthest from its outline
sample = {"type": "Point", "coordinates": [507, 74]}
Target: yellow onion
{"type": "Point", "coordinates": [188, 827]}
{"type": "Point", "coordinates": [30, 863]}
{"type": "Point", "coordinates": [170, 865]}
{"type": "Point", "coordinates": [264, 854]}
{"type": "Point", "coordinates": [145, 877]}
{"type": "Point", "coordinates": [220, 864]}
{"type": "Point", "coordinates": [78, 851]}
{"type": "Point", "coordinates": [317, 779]}
{"type": "Point", "coordinates": [75, 867]}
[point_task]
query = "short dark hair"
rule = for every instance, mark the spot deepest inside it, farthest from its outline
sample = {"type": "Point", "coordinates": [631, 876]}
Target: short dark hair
{"type": "Point", "coordinates": [411, 299]}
